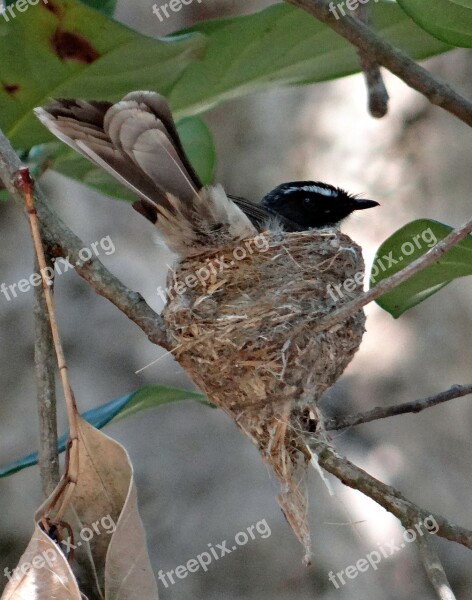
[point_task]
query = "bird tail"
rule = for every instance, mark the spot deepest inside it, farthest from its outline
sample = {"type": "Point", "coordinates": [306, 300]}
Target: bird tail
{"type": "Point", "coordinates": [136, 141]}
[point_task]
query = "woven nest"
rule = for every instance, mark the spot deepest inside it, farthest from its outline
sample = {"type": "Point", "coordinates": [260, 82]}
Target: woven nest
{"type": "Point", "coordinates": [240, 322]}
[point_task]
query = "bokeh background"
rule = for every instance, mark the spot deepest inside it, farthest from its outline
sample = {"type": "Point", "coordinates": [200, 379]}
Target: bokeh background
{"type": "Point", "coordinates": [199, 480]}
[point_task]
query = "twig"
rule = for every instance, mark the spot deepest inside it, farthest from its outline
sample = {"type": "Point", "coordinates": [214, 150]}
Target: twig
{"type": "Point", "coordinates": [388, 284]}
{"type": "Point", "coordinates": [385, 495]}
{"type": "Point", "coordinates": [376, 90]}
{"type": "Point", "coordinates": [359, 35]}
{"type": "Point", "coordinates": [44, 361]}
{"type": "Point", "coordinates": [382, 412]}
{"type": "Point", "coordinates": [63, 242]}
{"type": "Point", "coordinates": [24, 183]}
{"type": "Point", "coordinates": [434, 568]}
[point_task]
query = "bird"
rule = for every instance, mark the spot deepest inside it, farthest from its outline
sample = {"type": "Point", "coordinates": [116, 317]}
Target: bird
{"type": "Point", "coordinates": [136, 141]}
{"type": "Point", "coordinates": [242, 333]}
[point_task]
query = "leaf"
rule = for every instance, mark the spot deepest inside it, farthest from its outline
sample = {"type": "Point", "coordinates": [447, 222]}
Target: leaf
{"type": "Point", "coordinates": [153, 396]}
{"type": "Point", "coordinates": [149, 396]}
{"type": "Point", "coordinates": [198, 143]}
{"type": "Point", "coordinates": [52, 574]}
{"type": "Point", "coordinates": [406, 245]}
{"type": "Point", "coordinates": [448, 20]}
{"type": "Point", "coordinates": [107, 7]}
{"type": "Point", "coordinates": [282, 45]}
{"type": "Point", "coordinates": [108, 539]}
{"type": "Point", "coordinates": [210, 63]}
{"type": "Point", "coordinates": [76, 51]}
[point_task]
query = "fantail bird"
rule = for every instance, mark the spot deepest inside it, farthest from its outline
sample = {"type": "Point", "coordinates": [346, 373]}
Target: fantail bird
{"type": "Point", "coordinates": [137, 142]}
{"type": "Point", "coordinates": [244, 334]}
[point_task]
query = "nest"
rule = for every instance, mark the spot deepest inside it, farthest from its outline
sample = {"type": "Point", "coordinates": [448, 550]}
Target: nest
{"type": "Point", "coordinates": [240, 323]}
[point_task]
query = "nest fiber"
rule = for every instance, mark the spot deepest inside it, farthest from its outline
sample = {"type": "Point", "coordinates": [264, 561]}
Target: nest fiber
{"type": "Point", "coordinates": [240, 322]}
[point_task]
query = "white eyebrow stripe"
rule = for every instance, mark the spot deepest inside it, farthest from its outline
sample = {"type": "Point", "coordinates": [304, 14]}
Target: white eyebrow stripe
{"type": "Point", "coordinates": [312, 188]}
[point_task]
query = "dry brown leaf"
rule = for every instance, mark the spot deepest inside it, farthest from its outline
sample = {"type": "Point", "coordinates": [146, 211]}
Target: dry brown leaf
{"type": "Point", "coordinates": [48, 577]}
{"type": "Point", "coordinates": [110, 559]}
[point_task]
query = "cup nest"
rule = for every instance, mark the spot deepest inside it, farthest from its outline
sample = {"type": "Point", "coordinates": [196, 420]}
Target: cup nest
{"type": "Point", "coordinates": [240, 323]}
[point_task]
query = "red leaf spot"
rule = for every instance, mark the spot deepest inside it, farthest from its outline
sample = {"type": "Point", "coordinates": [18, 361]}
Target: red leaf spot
{"type": "Point", "coordinates": [51, 7]}
{"type": "Point", "coordinates": [11, 88]}
{"type": "Point", "coordinates": [72, 46]}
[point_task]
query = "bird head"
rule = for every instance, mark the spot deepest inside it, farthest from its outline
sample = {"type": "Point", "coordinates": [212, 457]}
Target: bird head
{"type": "Point", "coordinates": [312, 204]}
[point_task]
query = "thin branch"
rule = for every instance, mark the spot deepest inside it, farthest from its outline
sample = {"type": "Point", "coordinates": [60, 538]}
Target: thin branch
{"type": "Point", "coordinates": [434, 568]}
{"type": "Point", "coordinates": [376, 90]}
{"type": "Point", "coordinates": [25, 184]}
{"type": "Point", "coordinates": [359, 35]}
{"type": "Point", "coordinates": [382, 412]}
{"type": "Point", "coordinates": [388, 284]}
{"type": "Point", "coordinates": [45, 364]}
{"type": "Point", "coordinates": [385, 495]}
{"type": "Point", "coordinates": [63, 242]}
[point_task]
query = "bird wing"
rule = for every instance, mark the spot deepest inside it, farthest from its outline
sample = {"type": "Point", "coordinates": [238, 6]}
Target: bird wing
{"type": "Point", "coordinates": [134, 140]}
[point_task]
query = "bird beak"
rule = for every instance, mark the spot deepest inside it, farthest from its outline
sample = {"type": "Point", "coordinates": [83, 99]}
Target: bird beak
{"type": "Point", "coordinates": [361, 204]}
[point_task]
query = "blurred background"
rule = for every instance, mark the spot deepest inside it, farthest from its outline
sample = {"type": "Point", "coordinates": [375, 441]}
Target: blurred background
{"type": "Point", "coordinates": [199, 480]}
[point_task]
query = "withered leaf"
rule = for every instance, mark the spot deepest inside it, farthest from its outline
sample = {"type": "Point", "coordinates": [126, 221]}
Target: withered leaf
{"type": "Point", "coordinates": [107, 548]}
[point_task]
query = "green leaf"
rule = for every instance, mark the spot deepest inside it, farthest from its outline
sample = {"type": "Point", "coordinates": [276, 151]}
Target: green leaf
{"type": "Point", "coordinates": [150, 396]}
{"type": "Point", "coordinates": [406, 245]}
{"type": "Point", "coordinates": [153, 396]}
{"type": "Point", "coordinates": [107, 7]}
{"type": "Point", "coordinates": [77, 52]}
{"type": "Point", "coordinates": [198, 143]}
{"type": "Point", "coordinates": [448, 20]}
{"type": "Point", "coordinates": [282, 45]}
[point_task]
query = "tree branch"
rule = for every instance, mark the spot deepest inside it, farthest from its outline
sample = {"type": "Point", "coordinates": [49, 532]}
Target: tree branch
{"type": "Point", "coordinates": [382, 412]}
{"type": "Point", "coordinates": [63, 242]}
{"type": "Point", "coordinates": [376, 90]}
{"type": "Point", "coordinates": [45, 367]}
{"type": "Point", "coordinates": [364, 39]}
{"type": "Point", "coordinates": [433, 254]}
{"type": "Point", "coordinates": [385, 495]}
{"type": "Point", "coordinates": [434, 568]}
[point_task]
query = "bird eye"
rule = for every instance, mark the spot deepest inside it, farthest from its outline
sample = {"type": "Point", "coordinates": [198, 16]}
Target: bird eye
{"type": "Point", "coordinates": [307, 201]}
